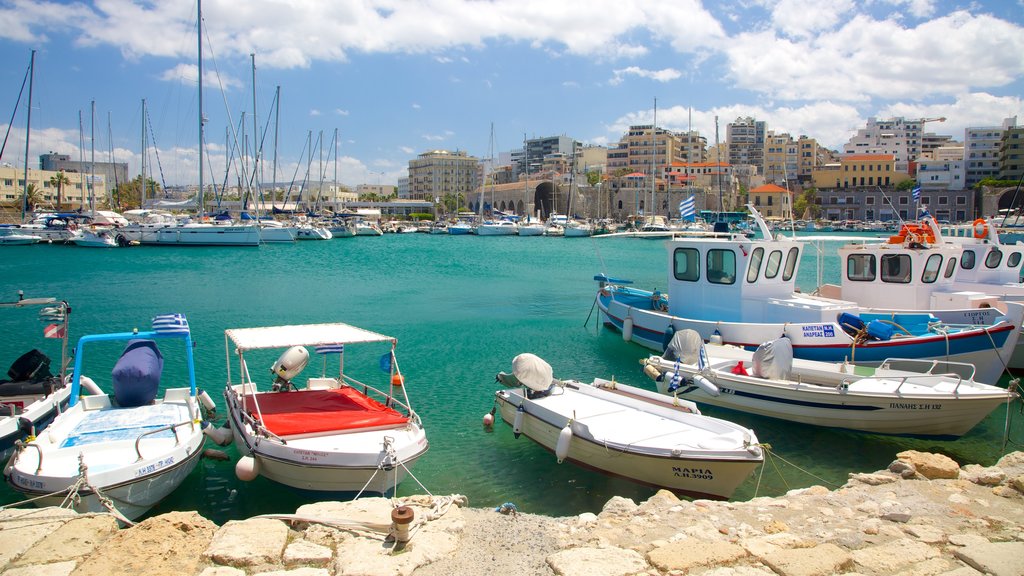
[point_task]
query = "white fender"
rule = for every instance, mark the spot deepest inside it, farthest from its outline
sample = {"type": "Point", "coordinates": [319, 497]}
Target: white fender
{"type": "Point", "coordinates": [564, 438]}
{"type": "Point", "coordinates": [488, 420]}
{"type": "Point", "coordinates": [517, 422]}
{"type": "Point", "coordinates": [627, 328]}
{"type": "Point", "coordinates": [89, 385]}
{"type": "Point", "coordinates": [716, 338]}
{"type": "Point", "coordinates": [206, 401]}
{"type": "Point", "coordinates": [706, 385]}
{"type": "Point", "coordinates": [220, 436]}
{"type": "Point", "coordinates": [247, 468]}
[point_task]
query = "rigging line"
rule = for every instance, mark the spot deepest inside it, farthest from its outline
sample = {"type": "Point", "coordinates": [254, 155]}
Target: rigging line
{"type": "Point", "coordinates": [10, 124]}
{"type": "Point", "coordinates": [294, 174]}
{"type": "Point", "coordinates": [156, 150]}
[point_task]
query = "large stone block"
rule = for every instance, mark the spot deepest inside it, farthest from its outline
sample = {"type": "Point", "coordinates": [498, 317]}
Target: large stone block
{"type": "Point", "coordinates": [689, 554]}
{"type": "Point", "coordinates": [931, 466]}
{"type": "Point", "coordinates": [596, 562]}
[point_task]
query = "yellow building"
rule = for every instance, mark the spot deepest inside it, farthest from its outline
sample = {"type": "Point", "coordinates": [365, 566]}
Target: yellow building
{"type": "Point", "coordinates": [74, 193]}
{"type": "Point", "coordinates": [859, 170]}
{"type": "Point", "coordinates": [772, 201]}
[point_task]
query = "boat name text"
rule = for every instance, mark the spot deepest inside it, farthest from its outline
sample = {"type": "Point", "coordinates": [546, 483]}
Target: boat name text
{"type": "Point", "coordinates": [819, 331]}
{"type": "Point", "coordinates": [158, 465]}
{"type": "Point", "coordinates": [695, 473]}
{"type": "Point", "coordinates": [905, 406]}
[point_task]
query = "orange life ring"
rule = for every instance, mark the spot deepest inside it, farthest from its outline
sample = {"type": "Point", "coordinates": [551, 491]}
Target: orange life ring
{"type": "Point", "coordinates": [980, 228]}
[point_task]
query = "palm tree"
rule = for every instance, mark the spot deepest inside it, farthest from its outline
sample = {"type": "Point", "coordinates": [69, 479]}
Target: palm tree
{"type": "Point", "coordinates": [59, 180]}
{"type": "Point", "coordinates": [33, 197]}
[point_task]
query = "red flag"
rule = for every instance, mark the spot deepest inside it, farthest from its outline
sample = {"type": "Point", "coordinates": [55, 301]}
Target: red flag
{"type": "Point", "coordinates": [54, 331]}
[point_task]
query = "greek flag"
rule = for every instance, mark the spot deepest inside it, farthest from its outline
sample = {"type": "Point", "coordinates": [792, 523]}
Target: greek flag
{"type": "Point", "coordinates": [330, 349]}
{"type": "Point", "coordinates": [916, 193]}
{"type": "Point", "coordinates": [170, 324]}
{"type": "Point", "coordinates": [688, 209]}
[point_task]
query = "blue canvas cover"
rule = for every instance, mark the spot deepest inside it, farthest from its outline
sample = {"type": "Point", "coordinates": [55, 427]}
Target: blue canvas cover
{"type": "Point", "coordinates": [136, 375]}
{"type": "Point", "coordinates": [878, 330]}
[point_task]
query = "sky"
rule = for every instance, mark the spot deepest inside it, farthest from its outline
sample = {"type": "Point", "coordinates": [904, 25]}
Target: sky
{"type": "Point", "coordinates": [397, 78]}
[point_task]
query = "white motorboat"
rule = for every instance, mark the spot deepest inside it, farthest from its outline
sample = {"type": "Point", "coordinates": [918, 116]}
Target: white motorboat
{"type": "Point", "coordinates": [337, 434]}
{"type": "Point", "coordinates": [577, 229]}
{"type": "Point", "coordinates": [129, 449]}
{"type": "Point", "coordinates": [310, 231]}
{"type": "Point", "coordinates": [902, 396]}
{"type": "Point", "coordinates": [629, 432]}
{"type": "Point", "coordinates": [744, 292]}
{"type": "Point", "coordinates": [95, 238]}
{"type": "Point", "coordinates": [497, 228]}
{"type": "Point", "coordinates": [367, 228]}
{"type": "Point", "coordinates": [461, 228]}
{"type": "Point", "coordinates": [32, 397]}
{"type": "Point", "coordinates": [10, 236]}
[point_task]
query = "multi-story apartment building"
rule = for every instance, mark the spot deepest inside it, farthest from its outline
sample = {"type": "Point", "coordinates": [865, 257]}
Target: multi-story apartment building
{"type": "Point", "coordinates": [859, 170]}
{"type": "Point", "coordinates": [902, 138]}
{"type": "Point", "coordinates": [439, 172]}
{"type": "Point", "coordinates": [772, 201]}
{"type": "Point", "coordinates": [649, 150]}
{"type": "Point", "coordinates": [981, 150]}
{"type": "Point", "coordinates": [745, 139]}
{"type": "Point", "coordinates": [1011, 154]}
{"type": "Point", "coordinates": [531, 158]}
{"type": "Point", "coordinates": [592, 159]}
{"type": "Point", "coordinates": [781, 158]}
{"type": "Point", "coordinates": [75, 194]}
{"type": "Point", "coordinates": [942, 169]}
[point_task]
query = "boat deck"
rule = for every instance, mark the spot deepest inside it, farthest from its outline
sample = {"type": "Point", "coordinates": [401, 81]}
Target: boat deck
{"type": "Point", "coordinates": [317, 411]}
{"type": "Point", "coordinates": [114, 424]}
{"type": "Point", "coordinates": [613, 422]}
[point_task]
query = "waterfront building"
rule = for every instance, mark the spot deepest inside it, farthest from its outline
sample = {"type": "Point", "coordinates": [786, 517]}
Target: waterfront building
{"type": "Point", "coordinates": [781, 158]}
{"type": "Point", "coordinates": [436, 173]}
{"type": "Point", "coordinates": [745, 139]}
{"type": "Point", "coordinates": [981, 150]}
{"type": "Point", "coordinates": [649, 150]}
{"type": "Point", "coordinates": [593, 159]}
{"type": "Point", "coordinates": [772, 201]}
{"type": "Point", "coordinates": [942, 168]}
{"type": "Point", "coordinates": [113, 172]}
{"type": "Point", "coordinates": [74, 193]}
{"type": "Point", "coordinates": [531, 157]}
{"type": "Point", "coordinates": [403, 186]}
{"type": "Point", "coordinates": [859, 170]}
{"type": "Point", "coordinates": [902, 138]}
{"type": "Point", "coordinates": [1011, 154]}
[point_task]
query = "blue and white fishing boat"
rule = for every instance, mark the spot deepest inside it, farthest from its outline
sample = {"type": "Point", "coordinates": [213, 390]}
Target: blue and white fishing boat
{"type": "Point", "coordinates": [31, 396]}
{"type": "Point", "coordinates": [737, 290]}
{"type": "Point", "coordinates": [123, 452]}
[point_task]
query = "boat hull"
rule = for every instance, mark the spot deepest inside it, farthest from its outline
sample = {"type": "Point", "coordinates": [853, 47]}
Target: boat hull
{"type": "Point", "coordinates": [989, 349]}
{"type": "Point", "coordinates": [687, 474]}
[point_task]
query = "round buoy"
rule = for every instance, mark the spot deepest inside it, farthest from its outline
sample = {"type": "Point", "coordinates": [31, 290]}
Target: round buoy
{"type": "Point", "coordinates": [564, 438]}
{"type": "Point", "coordinates": [706, 385]}
{"type": "Point", "coordinates": [397, 380]}
{"type": "Point", "coordinates": [517, 422]}
{"type": "Point", "coordinates": [247, 469]}
{"type": "Point", "coordinates": [627, 329]}
{"type": "Point", "coordinates": [488, 420]}
{"type": "Point", "coordinates": [716, 338]}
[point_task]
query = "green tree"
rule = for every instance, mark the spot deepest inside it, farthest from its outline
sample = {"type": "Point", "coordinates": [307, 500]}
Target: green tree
{"type": "Point", "coordinates": [806, 204]}
{"type": "Point", "coordinates": [33, 197]}
{"type": "Point", "coordinates": [906, 185]}
{"type": "Point", "coordinates": [59, 180]}
{"type": "Point", "coordinates": [593, 177]}
{"type": "Point", "coordinates": [129, 193]}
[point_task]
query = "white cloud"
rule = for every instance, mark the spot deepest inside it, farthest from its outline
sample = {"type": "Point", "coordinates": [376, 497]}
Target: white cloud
{"type": "Point", "coordinates": [314, 112]}
{"type": "Point", "coordinates": [415, 106]}
{"type": "Point", "coordinates": [341, 112]}
{"type": "Point", "coordinates": [804, 18]}
{"type": "Point", "coordinates": [407, 150]}
{"type": "Point", "coordinates": [917, 8]}
{"type": "Point", "coordinates": [664, 75]}
{"type": "Point", "coordinates": [439, 137]}
{"type": "Point", "coordinates": [187, 73]}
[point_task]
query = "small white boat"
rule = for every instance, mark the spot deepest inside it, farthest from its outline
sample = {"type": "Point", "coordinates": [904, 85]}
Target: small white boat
{"type": "Point", "coordinates": [461, 228]}
{"type": "Point", "coordinates": [578, 229]}
{"type": "Point", "coordinates": [10, 238]}
{"type": "Point", "coordinates": [628, 432]}
{"type": "Point", "coordinates": [334, 434]}
{"type": "Point", "coordinates": [308, 231]}
{"type": "Point", "coordinates": [908, 397]}
{"type": "Point", "coordinates": [127, 450]}
{"type": "Point", "coordinates": [99, 238]}
{"type": "Point", "coordinates": [497, 228]}
{"type": "Point", "coordinates": [32, 397]}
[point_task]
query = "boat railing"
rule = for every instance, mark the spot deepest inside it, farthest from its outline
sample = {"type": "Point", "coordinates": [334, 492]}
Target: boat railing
{"type": "Point", "coordinates": [20, 445]}
{"type": "Point", "coordinates": [389, 399]}
{"type": "Point", "coordinates": [927, 367]}
{"type": "Point", "coordinates": [172, 427]}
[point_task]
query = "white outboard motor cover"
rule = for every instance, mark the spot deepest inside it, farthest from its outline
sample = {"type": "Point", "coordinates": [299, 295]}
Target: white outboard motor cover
{"type": "Point", "coordinates": [532, 371]}
{"type": "Point", "coordinates": [684, 346]}
{"type": "Point", "coordinates": [290, 363]}
{"type": "Point", "coordinates": [774, 359]}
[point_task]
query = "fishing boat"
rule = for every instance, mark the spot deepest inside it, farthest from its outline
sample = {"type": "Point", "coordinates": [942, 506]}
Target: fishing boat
{"type": "Point", "coordinates": [628, 432]}
{"type": "Point", "coordinates": [334, 433]}
{"type": "Point", "coordinates": [908, 397]}
{"type": "Point", "coordinates": [742, 291]}
{"type": "Point", "coordinates": [31, 396]}
{"type": "Point", "coordinates": [121, 452]}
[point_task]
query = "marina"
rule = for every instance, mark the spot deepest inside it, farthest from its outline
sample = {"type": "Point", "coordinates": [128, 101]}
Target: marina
{"type": "Point", "coordinates": [459, 308]}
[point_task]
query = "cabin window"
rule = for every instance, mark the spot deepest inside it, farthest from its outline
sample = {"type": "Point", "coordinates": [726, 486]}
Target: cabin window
{"type": "Point", "coordinates": [967, 260]}
{"type": "Point", "coordinates": [1013, 260]}
{"type": "Point", "coordinates": [896, 268]}
{"type": "Point", "coordinates": [994, 258]}
{"type": "Point", "coordinates": [686, 264]}
{"type": "Point", "coordinates": [950, 268]}
{"type": "Point", "coordinates": [860, 267]}
{"type": "Point", "coordinates": [754, 268]}
{"type": "Point", "coordinates": [771, 270]}
{"type": "Point", "coordinates": [791, 262]}
{"type": "Point", "coordinates": [721, 266]}
{"type": "Point", "coordinates": [931, 268]}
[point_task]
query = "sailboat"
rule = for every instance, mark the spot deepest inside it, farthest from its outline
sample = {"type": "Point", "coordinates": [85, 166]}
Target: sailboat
{"type": "Point", "coordinates": [529, 226]}
{"type": "Point", "coordinates": [94, 236]}
{"type": "Point", "coordinates": [187, 232]}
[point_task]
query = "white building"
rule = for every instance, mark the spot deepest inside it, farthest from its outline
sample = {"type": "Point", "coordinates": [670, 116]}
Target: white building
{"type": "Point", "coordinates": [943, 168]}
{"type": "Point", "coordinates": [981, 150]}
{"type": "Point", "coordinates": [902, 138]}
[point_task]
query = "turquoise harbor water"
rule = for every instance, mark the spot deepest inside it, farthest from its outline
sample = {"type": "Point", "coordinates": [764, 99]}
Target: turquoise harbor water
{"type": "Point", "coordinates": [461, 307]}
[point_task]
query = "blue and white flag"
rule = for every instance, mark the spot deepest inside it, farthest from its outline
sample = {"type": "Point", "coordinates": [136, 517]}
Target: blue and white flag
{"type": "Point", "coordinates": [330, 349]}
{"type": "Point", "coordinates": [385, 362]}
{"type": "Point", "coordinates": [170, 324]}
{"type": "Point", "coordinates": [688, 209]}
{"type": "Point", "coordinates": [916, 192]}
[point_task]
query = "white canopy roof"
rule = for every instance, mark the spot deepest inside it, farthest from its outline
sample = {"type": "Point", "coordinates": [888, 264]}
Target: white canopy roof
{"type": "Point", "coordinates": [301, 335]}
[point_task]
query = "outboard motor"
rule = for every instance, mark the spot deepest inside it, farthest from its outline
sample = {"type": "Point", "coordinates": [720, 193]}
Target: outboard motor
{"type": "Point", "coordinates": [136, 376]}
{"type": "Point", "coordinates": [32, 366]}
{"type": "Point", "coordinates": [684, 346]}
{"type": "Point", "coordinates": [288, 366]}
{"type": "Point", "coordinates": [774, 360]}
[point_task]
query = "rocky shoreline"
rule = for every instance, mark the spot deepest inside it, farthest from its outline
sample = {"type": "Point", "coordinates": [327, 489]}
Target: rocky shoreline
{"type": "Point", "coordinates": [925, 515]}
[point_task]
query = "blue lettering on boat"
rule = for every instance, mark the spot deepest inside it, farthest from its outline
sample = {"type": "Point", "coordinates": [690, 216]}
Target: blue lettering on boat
{"type": "Point", "coordinates": [819, 331]}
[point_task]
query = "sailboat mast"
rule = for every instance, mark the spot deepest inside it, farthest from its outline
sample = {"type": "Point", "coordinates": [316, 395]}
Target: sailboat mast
{"type": "Point", "coordinates": [199, 42]}
{"type": "Point", "coordinates": [81, 161]}
{"type": "Point", "coordinates": [142, 170]}
{"type": "Point", "coordinates": [28, 130]}
{"type": "Point", "coordinates": [110, 159]}
{"type": "Point", "coordinates": [257, 148]}
{"type": "Point", "coordinates": [277, 119]}
{"type": "Point", "coordinates": [92, 160]}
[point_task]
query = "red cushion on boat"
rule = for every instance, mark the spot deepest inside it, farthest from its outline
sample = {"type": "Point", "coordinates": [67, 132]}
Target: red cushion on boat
{"type": "Point", "coordinates": [313, 411]}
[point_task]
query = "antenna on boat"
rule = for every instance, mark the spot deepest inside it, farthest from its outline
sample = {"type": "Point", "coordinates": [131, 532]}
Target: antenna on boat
{"type": "Point", "coordinates": [889, 201]}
